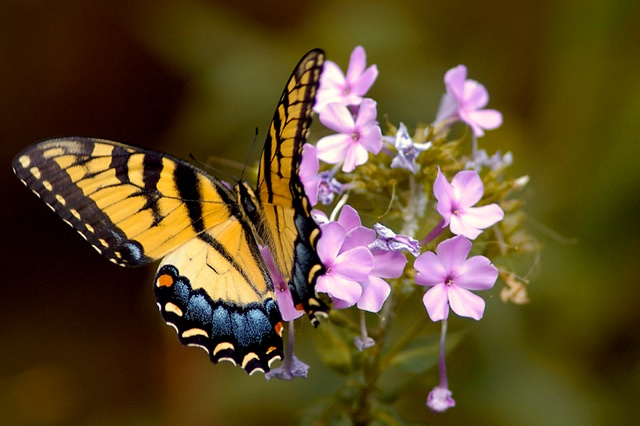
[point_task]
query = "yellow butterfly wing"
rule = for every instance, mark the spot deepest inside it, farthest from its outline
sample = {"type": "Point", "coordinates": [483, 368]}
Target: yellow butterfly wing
{"type": "Point", "coordinates": [286, 223]}
{"type": "Point", "coordinates": [132, 205]}
{"type": "Point", "coordinates": [219, 298]}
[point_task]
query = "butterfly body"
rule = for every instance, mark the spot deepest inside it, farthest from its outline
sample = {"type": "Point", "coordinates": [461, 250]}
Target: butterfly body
{"type": "Point", "coordinates": [135, 206]}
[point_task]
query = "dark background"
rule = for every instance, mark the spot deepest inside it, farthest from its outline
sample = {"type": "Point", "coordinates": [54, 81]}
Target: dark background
{"type": "Point", "coordinates": [81, 340]}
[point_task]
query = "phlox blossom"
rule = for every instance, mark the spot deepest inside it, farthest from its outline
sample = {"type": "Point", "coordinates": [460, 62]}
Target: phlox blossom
{"type": "Point", "coordinates": [349, 89]}
{"type": "Point", "coordinates": [464, 101]}
{"type": "Point", "coordinates": [455, 201]}
{"type": "Point", "coordinates": [356, 137]}
{"type": "Point", "coordinates": [451, 277]}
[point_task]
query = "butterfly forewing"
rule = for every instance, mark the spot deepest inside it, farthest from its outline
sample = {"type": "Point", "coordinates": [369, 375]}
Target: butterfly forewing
{"type": "Point", "coordinates": [132, 205]}
{"type": "Point", "coordinates": [288, 228]}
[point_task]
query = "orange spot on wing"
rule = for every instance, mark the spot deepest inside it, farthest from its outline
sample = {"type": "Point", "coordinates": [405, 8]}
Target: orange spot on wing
{"type": "Point", "coordinates": [165, 281]}
{"type": "Point", "coordinates": [278, 327]}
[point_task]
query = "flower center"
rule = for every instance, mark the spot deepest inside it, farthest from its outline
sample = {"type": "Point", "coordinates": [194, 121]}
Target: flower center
{"type": "Point", "coordinates": [355, 136]}
{"type": "Point", "coordinates": [448, 281]}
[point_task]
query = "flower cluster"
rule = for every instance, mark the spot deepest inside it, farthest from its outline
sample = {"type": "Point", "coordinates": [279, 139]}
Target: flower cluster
{"type": "Point", "coordinates": [401, 180]}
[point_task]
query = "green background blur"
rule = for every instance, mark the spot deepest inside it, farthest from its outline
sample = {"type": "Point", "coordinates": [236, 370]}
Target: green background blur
{"type": "Point", "coordinates": [81, 341]}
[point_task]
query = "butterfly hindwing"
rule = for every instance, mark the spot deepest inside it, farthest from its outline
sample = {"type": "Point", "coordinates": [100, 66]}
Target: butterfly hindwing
{"type": "Point", "coordinates": [287, 226]}
{"type": "Point", "coordinates": [132, 205]}
{"type": "Point", "coordinates": [217, 294]}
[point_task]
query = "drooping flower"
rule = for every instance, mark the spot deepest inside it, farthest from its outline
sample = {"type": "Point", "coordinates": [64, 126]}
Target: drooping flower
{"type": "Point", "coordinates": [349, 89]}
{"type": "Point", "coordinates": [464, 101]}
{"type": "Point", "coordinates": [355, 138]}
{"type": "Point", "coordinates": [283, 294]}
{"type": "Point", "coordinates": [387, 240]}
{"type": "Point", "coordinates": [408, 150]}
{"type": "Point", "coordinates": [318, 186]}
{"type": "Point", "coordinates": [440, 399]}
{"type": "Point", "coordinates": [451, 277]}
{"type": "Point", "coordinates": [455, 201]}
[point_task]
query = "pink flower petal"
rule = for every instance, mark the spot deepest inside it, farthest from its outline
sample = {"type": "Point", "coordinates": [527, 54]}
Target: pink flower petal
{"type": "Point", "coordinates": [430, 269]}
{"type": "Point", "coordinates": [366, 80]}
{"type": "Point", "coordinates": [367, 113]}
{"type": "Point", "coordinates": [354, 264]}
{"type": "Point", "coordinates": [356, 156]}
{"type": "Point", "coordinates": [475, 95]}
{"type": "Point", "coordinates": [482, 217]}
{"type": "Point", "coordinates": [486, 118]}
{"type": "Point", "coordinates": [477, 274]}
{"type": "Point", "coordinates": [454, 81]}
{"type": "Point", "coordinates": [339, 287]}
{"type": "Point", "coordinates": [465, 303]}
{"type": "Point", "coordinates": [459, 226]}
{"type": "Point", "coordinates": [371, 139]}
{"type": "Point", "coordinates": [333, 149]}
{"type": "Point", "coordinates": [453, 253]}
{"type": "Point", "coordinates": [374, 293]}
{"type": "Point", "coordinates": [285, 303]}
{"type": "Point", "coordinates": [336, 116]}
{"type": "Point", "coordinates": [359, 236]}
{"type": "Point", "coordinates": [436, 301]}
{"type": "Point", "coordinates": [468, 187]}
{"type": "Point", "coordinates": [333, 236]}
{"type": "Point", "coordinates": [357, 63]}
{"type": "Point", "coordinates": [349, 218]}
{"type": "Point", "coordinates": [388, 264]}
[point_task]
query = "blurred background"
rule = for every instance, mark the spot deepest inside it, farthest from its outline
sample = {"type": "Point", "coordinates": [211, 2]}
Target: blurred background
{"type": "Point", "coordinates": [81, 341]}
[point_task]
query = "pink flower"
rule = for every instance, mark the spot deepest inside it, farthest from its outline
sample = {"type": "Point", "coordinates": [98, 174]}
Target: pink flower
{"type": "Point", "coordinates": [374, 290]}
{"type": "Point", "coordinates": [349, 90]}
{"type": "Point", "coordinates": [283, 294]}
{"type": "Point", "coordinates": [451, 276]}
{"type": "Point", "coordinates": [345, 268]}
{"type": "Point", "coordinates": [455, 203]}
{"type": "Point", "coordinates": [464, 101]}
{"type": "Point", "coordinates": [355, 138]}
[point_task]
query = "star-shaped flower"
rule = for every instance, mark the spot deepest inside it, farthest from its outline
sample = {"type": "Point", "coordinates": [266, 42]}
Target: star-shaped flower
{"type": "Point", "coordinates": [455, 201]}
{"type": "Point", "coordinates": [451, 277]}
{"type": "Point", "coordinates": [408, 150]}
{"type": "Point", "coordinates": [464, 101]}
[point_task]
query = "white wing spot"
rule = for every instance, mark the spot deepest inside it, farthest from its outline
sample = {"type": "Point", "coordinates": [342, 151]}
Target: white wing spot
{"type": "Point", "coordinates": [90, 228]}
{"type": "Point", "coordinates": [61, 199]}
{"type": "Point", "coordinates": [35, 172]}
{"type": "Point", "coordinates": [104, 243]}
{"type": "Point", "coordinates": [47, 185]}
{"type": "Point", "coordinates": [75, 213]}
{"type": "Point", "coordinates": [96, 248]}
{"type": "Point", "coordinates": [25, 161]}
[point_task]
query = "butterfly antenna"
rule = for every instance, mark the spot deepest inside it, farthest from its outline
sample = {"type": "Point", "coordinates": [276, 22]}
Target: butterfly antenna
{"type": "Point", "coordinates": [253, 147]}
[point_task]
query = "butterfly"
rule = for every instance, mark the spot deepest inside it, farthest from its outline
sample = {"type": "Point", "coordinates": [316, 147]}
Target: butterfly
{"type": "Point", "coordinates": [135, 206]}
